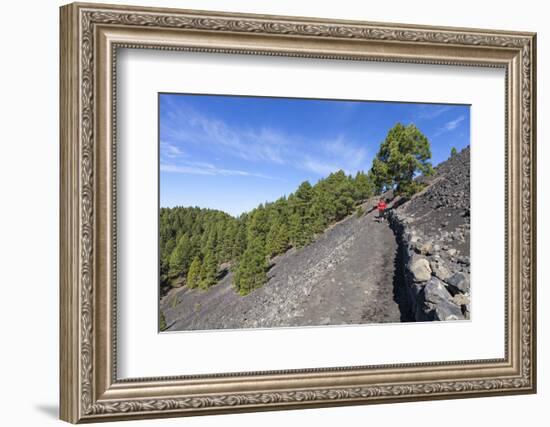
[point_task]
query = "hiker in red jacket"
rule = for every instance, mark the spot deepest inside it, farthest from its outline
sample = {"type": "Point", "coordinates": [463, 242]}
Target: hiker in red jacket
{"type": "Point", "coordinates": [381, 208]}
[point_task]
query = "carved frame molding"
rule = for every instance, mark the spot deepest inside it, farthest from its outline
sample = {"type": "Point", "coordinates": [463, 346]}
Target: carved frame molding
{"type": "Point", "coordinates": [90, 37]}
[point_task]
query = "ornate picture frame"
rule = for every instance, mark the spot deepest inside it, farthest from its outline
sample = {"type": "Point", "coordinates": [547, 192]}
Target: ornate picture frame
{"type": "Point", "coordinates": [90, 37]}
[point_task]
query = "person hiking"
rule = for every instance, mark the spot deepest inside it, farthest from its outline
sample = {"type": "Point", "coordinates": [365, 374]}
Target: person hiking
{"type": "Point", "coordinates": [381, 208]}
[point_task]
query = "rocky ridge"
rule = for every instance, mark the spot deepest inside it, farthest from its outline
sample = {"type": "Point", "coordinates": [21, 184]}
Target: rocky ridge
{"type": "Point", "coordinates": [433, 234]}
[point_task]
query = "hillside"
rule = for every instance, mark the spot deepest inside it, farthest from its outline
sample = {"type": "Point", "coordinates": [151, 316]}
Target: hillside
{"type": "Point", "coordinates": [196, 243]}
{"type": "Point", "coordinates": [344, 277]}
{"type": "Point", "coordinates": [433, 230]}
{"type": "Point", "coordinates": [359, 270]}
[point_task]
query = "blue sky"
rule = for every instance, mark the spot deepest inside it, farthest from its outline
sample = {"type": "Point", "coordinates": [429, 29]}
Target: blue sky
{"type": "Point", "coordinates": [233, 153]}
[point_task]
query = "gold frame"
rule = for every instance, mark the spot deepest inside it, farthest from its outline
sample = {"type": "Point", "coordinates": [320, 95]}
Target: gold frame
{"type": "Point", "coordinates": [90, 36]}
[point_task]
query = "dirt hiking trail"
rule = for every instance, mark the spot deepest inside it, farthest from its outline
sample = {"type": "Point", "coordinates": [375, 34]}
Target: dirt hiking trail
{"type": "Point", "coordinates": [347, 276]}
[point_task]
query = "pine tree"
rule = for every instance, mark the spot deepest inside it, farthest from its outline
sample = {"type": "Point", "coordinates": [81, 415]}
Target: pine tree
{"type": "Point", "coordinates": [282, 238]}
{"type": "Point", "coordinates": [208, 270]}
{"type": "Point", "coordinates": [295, 230]}
{"type": "Point", "coordinates": [165, 254]}
{"type": "Point", "coordinates": [194, 273]}
{"type": "Point", "coordinates": [212, 246]}
{"type": "Point", "coordinates": [179, 258]}
{"type": "Point", "coordinates": [342, 189]}
{"type": "Point", "coordinates": [281, 209]}
{"type": "Point", "coordinates": [258, 225]}
{"type": "Point", "coordinates": [318, 213]}
{"type": "Point", "coordinates": [251, 272]}
{"type": "Point", "coordinates": [325, 198]}
{"type": "Point", "coordinates": [364, 187]}
{"type": "Point", "coordinates": [195, 244]}
{"type": "Point", "coordinates": [271, 240]}
{"type": "Point", "coordinates": [453, 152]}
{"type": "Point", "coordinates": [228, 241]}
{"type": "Point", "coordinates": [404, 153]}
{"type": "Point", "coordinates": [302, 198]}
{"type": "Point", "coordinates": [300, 221]}
{"type": "Point", "coordinates": [380, 176]}
{"type": "Point", "coordinates": [239, 244]}
{"type": "Point", "coordinates": [277, 239]}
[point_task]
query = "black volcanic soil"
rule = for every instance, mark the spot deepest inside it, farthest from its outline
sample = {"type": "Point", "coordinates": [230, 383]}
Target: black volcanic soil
{"type": "Point", "coordinates": [433, 230]}
{"type": "Point", "coordinates": [345, 277]}
{"type": "Point", "coordinates": [442, 211]}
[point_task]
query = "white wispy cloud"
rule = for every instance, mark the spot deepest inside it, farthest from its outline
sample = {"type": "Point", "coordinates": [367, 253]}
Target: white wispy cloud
{"type": "Point", "coordinates": [345, 151]}
{"type": "Point", "coordinates": [189, 126]}
{"type": "Point", "coordinates": [200, 168]}
{"type": "Point", "coordinates": [450, 125]}
{"type": "Point", "coordinates": [185, 125]}
{"type": "Point", "coordinates": [170, 151]}
{"type": "Point", "coordinates": [341, 154]}
{"type": "Point", "coordinates": [429, 112]}
{"type": "Point", "coordinates": [319, 167]}
{"type": "Point", "coordinates": [453, 124]}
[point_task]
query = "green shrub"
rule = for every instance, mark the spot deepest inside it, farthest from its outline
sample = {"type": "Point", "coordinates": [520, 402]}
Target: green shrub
{"type": "Point", "coordinates": [162, 322]}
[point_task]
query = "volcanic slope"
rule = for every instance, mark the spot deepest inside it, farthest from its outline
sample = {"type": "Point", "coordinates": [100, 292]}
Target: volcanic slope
{"type": "Point", "coordinates": [346, 276]}
{"type": "Point", "coordinates": [358, 270]}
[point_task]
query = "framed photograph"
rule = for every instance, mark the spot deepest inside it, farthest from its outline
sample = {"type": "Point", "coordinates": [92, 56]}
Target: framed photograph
{"type": "Point", "coordinates": [266, 212]}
